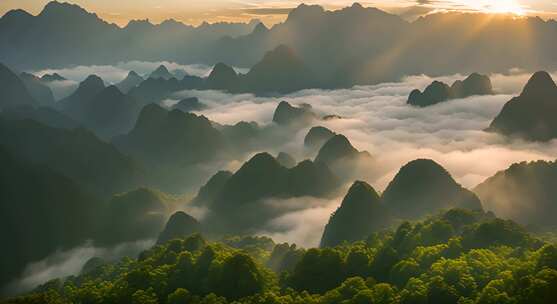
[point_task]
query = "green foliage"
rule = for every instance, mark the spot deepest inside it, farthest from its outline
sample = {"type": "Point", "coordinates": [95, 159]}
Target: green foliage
{"type": "Point", "coordinates": [458, 257]}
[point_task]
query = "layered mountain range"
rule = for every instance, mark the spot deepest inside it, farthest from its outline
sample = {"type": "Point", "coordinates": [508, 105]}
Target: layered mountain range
{"type": "Point", "coordinates": [327, 43]}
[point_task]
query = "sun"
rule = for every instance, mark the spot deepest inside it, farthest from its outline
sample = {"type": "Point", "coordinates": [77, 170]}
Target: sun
{"type": "Point", "coordinates": [504, 7]}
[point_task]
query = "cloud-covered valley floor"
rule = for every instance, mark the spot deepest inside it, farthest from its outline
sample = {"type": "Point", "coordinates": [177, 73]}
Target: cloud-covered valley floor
{"type": "Point", "coordinates": [376, 119]}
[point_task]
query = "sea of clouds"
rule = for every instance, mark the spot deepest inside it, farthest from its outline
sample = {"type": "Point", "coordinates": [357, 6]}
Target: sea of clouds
{"type": "Point", "coordinates": [113, 74]}
{"type": "Point", "coordinates": [377, 119]}
{"type": "Point", "coordinates": [374, 118]}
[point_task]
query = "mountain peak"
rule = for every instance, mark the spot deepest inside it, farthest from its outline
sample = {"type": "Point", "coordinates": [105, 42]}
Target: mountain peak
{"type": "Point", "coordinates": [286, 114]}
{"type": "Point", "coordinates": [260, 28]}
{"type": "Point", "coordinates": [222, 77]}
{"type": "Point", "coordinates": [161, 72]}
{"type": "Point", "coordinates": [52, 77]}
{"type": "Point", "coordinates": [305, 12]}
{"type": "Point", "coordinates": [139, 24]}
{"type": "Point", "coordinates": [55, 8]}
{"type": "Point", "coordinates": [92, 81]}
{"type": "Point", "coordinates": [133, 74]}
{"type": "Point", "coordinates": [337, 147]}
{"type": "Point", "coordinates": [540, 84]}
{"type": "Point", "coordinates": [16, 14]}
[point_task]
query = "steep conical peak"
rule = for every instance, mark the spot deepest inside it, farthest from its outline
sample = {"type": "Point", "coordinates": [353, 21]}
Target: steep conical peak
{"type": "Point", "coordinates": [360, 192]}
{"type": "Point", "coordinates": [92, 81]}
{"type": "Point", "coordinates": [161, 69]}
{"type": "Point", "coordinates": [422, 167]}
{"type": "Point", "coordinates": [317, 136]}
{"type": "Point", "coordinates": [220, 70]}
{"type": "Point", "coordinates": [151, 113]}
{"type": "Point", "coordinates": [133, 74]}
{"type": "Point", "coordinates": [180, 225]}
{"type": "Point", "coordinates": [260, 28]}
{"type": "Point", "coordinates": [260, 160]}
{"type": "Point", "coordinates": [286, 114]}
{"type": "Point", "coordinates": [540, 84]}
{"type": "Point", "coordinates": [161, 72]}
{"type": "Point", "coordinates": [336, 148]}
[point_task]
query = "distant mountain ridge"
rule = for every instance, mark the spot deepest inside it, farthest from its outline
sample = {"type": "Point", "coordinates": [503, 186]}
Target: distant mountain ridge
{"type": "Point", "coordinates": [329, 43]}
{"type": "Point", "coordinates": [86, 41]}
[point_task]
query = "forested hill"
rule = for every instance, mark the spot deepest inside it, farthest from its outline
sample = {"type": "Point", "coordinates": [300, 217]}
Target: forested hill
{"type": "Point", "coordinates": [455, 257]}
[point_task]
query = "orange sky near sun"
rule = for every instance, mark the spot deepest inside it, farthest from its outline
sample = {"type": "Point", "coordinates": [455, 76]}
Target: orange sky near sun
{"type": "Point", "coordinates": [269, 11]}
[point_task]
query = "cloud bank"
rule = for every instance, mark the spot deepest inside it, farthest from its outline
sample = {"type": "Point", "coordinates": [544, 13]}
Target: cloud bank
{"type": "Point", "coordinates": [377, 119]}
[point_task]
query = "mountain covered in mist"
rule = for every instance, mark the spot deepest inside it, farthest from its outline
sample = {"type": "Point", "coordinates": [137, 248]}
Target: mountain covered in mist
{"type": "Point", "coordinates": [525, 192]}
{"type": "Point", "coordinates": [239, 203]}
{"type": "Point", "coordinates": [58, 214]}
{"type": "Point", "coordinates": [437, 92]}
{"type": "Point", "coordinates": [326, 44]}
{"type": "Point", "coordinates": [422, 187]}
{"type": "Point", "coordinates": [14, 92]}
{"type": "Point", "coordinates": [90, 40]}
{"type": "Point", "coordinates": [530, 115]}
{"type": "Point", "coordinates": [360, 214]}
{"type": "Point", "coordinates": [186, 138]}
{"type": "Point", "coordinates": [76, 153]}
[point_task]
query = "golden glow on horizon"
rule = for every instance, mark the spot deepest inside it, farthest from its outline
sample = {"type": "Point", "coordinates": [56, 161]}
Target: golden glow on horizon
{"type": "Point", "coordinates": [501, 7]}
{"type": "Point", "coordinates": [274, 11]}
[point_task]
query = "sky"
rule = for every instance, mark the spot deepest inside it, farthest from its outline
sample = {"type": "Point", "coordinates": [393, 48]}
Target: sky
{"type": "Point", "coordinates": [271, 11]}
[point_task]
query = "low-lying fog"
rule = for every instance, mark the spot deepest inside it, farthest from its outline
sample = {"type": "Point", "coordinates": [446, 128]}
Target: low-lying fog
{"type": "Point", "coordinates": [374, 118]}
{"type": "Point", "coordinates": [113, 74]}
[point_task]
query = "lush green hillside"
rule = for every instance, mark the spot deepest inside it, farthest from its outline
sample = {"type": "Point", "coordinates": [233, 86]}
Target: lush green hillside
{"type": "Point", "coordinates": [456, 257]}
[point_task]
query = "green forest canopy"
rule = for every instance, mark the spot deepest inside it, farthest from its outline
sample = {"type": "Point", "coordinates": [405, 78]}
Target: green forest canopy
{"type": "Point", "coordinates": [455, 257]}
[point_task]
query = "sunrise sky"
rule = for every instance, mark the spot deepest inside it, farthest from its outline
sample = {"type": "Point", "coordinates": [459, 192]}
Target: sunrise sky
{"type": "Point", "coordinates": [273, 11]}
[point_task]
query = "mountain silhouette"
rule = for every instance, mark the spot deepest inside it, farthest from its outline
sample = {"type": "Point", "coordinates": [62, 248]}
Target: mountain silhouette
{"type": "Point", "coordinates": [208, 192]}
{"type": "Point", "coordinates": [50, 203]}
{"type": "Point", "coordinates": [530, 115]}
{"type": "Point", "coordinates": [360, 214]}
{"type": "Point", "coordinates": [189, 104]}
{"type": "Point", "coordinates": [108, 113]}
{"type": "Point", "coordinates": [438, 92]}
{"type": "Point", "coordinates": [77, 153]}
{"type": "Point", "coordinates": [52, 77]}
{"type": "Point", "coordinates": [180, 225]}
{"type": "Point", "coordinates": [131, 81]}
{"type": "Point", "coordinates": [44, 115]}
{"type": "Point", "coordinates": [87, 89]}
{"type": "Point", "coordinates": [286, 114]}
{"type": "Point", "coordinates": [280, 71]}
{"type": "Point", "coordinates": [524, 192]}
{"type": "Point", "coordinates": [38, 90]}
{"type": "Point", "coordinates": [86, 41]}
{"type": "Point", "coordinates": [188, 139]}
{"type": "Point", "coordinates": [317, 136]}
{"type": "Point", "coordinates": [423, 187]}
{"type": "Point", "coordinates": [133, 216]}
{"type": "Point", "coordinates": [223, 77]}
{"type": "Point", "coordinates": [336, 148]}
{"type": "Point", "coordinates": [161, 72]}
{"type": "Point", "coordinates": [14, 92]}
{"type": "Point", "coordinates": [239, 205]}
{"type": "Point", "coordinates": [329, 43]}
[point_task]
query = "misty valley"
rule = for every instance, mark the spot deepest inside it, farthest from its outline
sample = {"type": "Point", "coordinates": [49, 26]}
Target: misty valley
{"type": "Point", "coordinates": [347, 155]}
